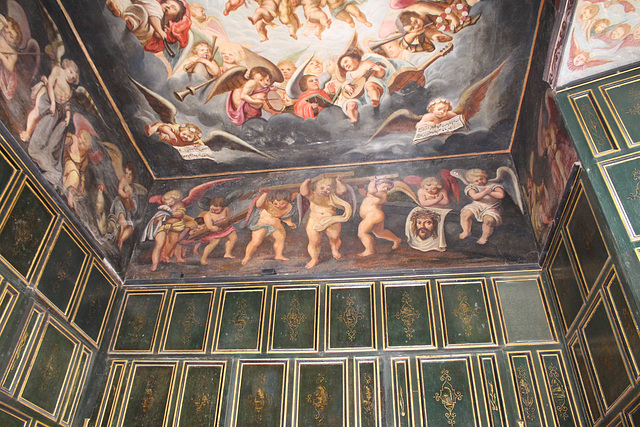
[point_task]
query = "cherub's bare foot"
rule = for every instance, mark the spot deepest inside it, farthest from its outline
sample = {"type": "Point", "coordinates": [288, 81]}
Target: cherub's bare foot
{"type": "Point", "coordinates": [245, 260]}
{"type": "Point", "coordinates": [154, 267]}
{"type": "Point", "coordinates": [396, 244]}
{"type": "Point", "coordinates": [203, 261]}
{"type": "Point", "coordinates": [281, 258]}
{"type": "Point", "coordinates": [229, 256]}
{"type": "Point", "coordinates": [250, 18]}
{"type": "Point", "coordinates": [353, 120]}
{"type": "Point", "coordinates": [482, 241]}
{"type": "Point", "coordinates": [336, 254]}
{"type": "Point", "coordinates": [165, 259]}
{"type": "Point", "coordinates": [226, 12]}
{"type": "Point", "coordinates": [368, 24]}
{"type": "Point", "coordinates": [312, 263]}
{"type": "Point", "coordinates": [293, 36]}
{"type": "Point", "coordinates": [181, 261]}
{"type": "Point", "coordinates": [365, 254]}
{"type": "Point", "coordinates": [464, 235]}
{"type": "Point", "coordinates": [351, 24]}
{"type": "Point", "coordinates": [24, 136]}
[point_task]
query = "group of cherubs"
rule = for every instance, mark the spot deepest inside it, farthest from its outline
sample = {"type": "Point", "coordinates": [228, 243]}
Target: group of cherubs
{"type": "Point", "coordinates": [330, 201]}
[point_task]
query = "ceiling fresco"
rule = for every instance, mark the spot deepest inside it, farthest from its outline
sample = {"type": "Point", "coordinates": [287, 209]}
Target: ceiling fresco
{"type": "Point", "coordinates": [240, 86]}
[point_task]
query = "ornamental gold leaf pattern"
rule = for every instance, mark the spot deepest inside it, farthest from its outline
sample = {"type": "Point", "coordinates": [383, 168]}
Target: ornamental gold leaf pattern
{"type": "Point", "coordinates": [636, 194]}
{"type": "Point", "coordinates": [350, 317]}
{"type": "Point", "coordinates": [240, 319]}
{"type": "Point", "coordinates": [320, 398]}
{"type": "Point", "coordinates": [558, 393]}
{"type": "Point", "coordinates": [465, 312]}
{"type": "Point", "coordinates": [448, 396]}
{"type": "Point", "coordinates": [407, 315]}
{"type": "Point", "coordinates": [188, 322]}
{"type": "Point", "coordinates": [294, 318]}
{"type": "Point", "coordinates": [259, 399]}
{"type": "Point", "coordinates": [526, 394]}
{"type": "Point", "coordinates": [367, 400]}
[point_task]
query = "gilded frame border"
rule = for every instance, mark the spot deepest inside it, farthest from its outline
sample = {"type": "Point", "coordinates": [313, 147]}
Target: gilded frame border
{"type": "Point", "coordinates": [373, 387]}
{"type": "Point", "coordinates": [154, 339]}
{"type": "Point", "coordinates": [316, 319]}
{"type": "Point", "coordinates": [584, 125]}
{"type": "Point", "coordinates": [184, 372]}
{"type": "Point", "coordinates": [634, 236]}
{"type": "Point", "coordinates": [261, 318]}
{"type": "Point", "coordinates": [614, 111]}
{"type": "Point", "coordinates": [169, 316]}
{"type": "Point", "coordinates": [327, 320]}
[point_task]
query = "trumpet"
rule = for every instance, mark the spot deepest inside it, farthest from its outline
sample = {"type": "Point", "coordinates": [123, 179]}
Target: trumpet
{"type": "Point", "coordinates": [191, 90]}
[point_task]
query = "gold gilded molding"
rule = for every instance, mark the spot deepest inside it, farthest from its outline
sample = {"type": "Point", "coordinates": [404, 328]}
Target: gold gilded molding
{"type": "Point", "coordinates": [558, 392]}
{"type": "Point", "coordinates": [320, 398]}
{"type": "Point", "coordinates": [526, 394]}
{"type": "Point", "coordinates": [448, 396]}
{"type": "Point", "coordinates": [350, 317]}
{"type": "Point", "coordinates": [367, 399]}
{"type": "Point", "coordinates": [465, 312]}
{"type": "Point", "coordinates": [407, 315]}
{"type": "Point", "coordinates": [294, 318]}
{"type": "Point", "coordinates": [493, 397]}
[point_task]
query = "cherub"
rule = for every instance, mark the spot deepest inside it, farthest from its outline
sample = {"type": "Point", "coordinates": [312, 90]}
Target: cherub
{"type": "Point", "coordinates": [209, 27]}
{"type": "Point", "coordinates": [232, 5]}
{"type": "Point", "coordinates": [288, 17]}
{"type": "Point", "coordinates": [264, 15]}
{"type": "Point", "coordinates": [373, 217]}
{"type": "Point", "coordinates": [287, 68]}
{"type": "Point", "coordinates": [202, 62]}
{"type": "Point", "coordinates": [632, 40]}
{"type": "Point", "coordinates": [273, 208]}
{"type": "Point", "coordinates": [177, 135]}
{"type": "Point", "coordinates": [579, 59]}
{"type": "Point", "coordinates": [346, 10]}
{"type": "Point", "coordinates": [218, 212]}
{"type": "Point", "coordinates": [417, 36]}
{"type": "Point", "coordinates": [76, 160]}
{"type": "Point", "coordinates": [316, 19]}
{"type": "Point", "coordinates": [432, 193]}
{"type": "Point", "coordinates": [232, 55]}
{"type": "Point", "coordinates": [324, 201]}
{"type": "Point", "coordinates": [438, 110]}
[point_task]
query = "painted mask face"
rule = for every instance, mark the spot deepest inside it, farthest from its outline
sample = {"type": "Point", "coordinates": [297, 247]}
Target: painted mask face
{"type": "Point", "coordinates": [424, 228]}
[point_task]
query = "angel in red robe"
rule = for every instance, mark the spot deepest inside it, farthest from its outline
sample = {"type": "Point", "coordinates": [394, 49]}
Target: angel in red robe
{"type": "Point", "coordinates": [312, 100]}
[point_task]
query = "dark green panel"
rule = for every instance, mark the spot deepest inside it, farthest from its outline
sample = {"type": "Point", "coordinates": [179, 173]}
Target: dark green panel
{"type": "Point", "coordinates": [20, 350]}
{"type": "Point", "coordinates": [634, 415]}
{"type": "Point", "coordinates": [261, 398]}
{"type": "Point", "coordinates": [368, 394]}
{"type": "Point", "coordinates": [202, 395]}
{"type": "Point", "coordinates": [189, 320]}
{"type": "Point", "coordinates": [588, 391]}
{"type": "Point", "coordinates": [67, 416]}
{"type": "Point", "coordinates": [294, 321]}
{"type": "Point", "coordinates": [138, 324]}
{"type": "Point", "coordinates": [24, 231]}
{"type": "Point", "coordinates": [403, 407]}
{"type": "Point", "coordinates": [624, 100]}
{"type": "Point", "coordinates": [587, 242]}
{"type": "Point", "coordinates": [321, 395]}
{"type": "Point", "coordinates": [566, 286]}
{"type": "Point", "coordinates": [492, 391]}
{"type": "Point", "coordinates": [8, 420]}
{"type": "Point", "coordinates": [110, 400]}
{"type": "Point", "coordinates": [6, 171]}
{"type": "Point", "coordinates": [625, 317]}
{"type": "Point", "coordinates": [465, 314]}
{"type": "Point", "coordinates": [623, 178]}
{"type": "Point", "coordinates": [148, 396]}
{"type": "Point", "coordinates": [557, 386]}
{"type": "Point", "coordinates": [408, 316]}
{"type": "Point", "coordinates": [526, 391]}
{"type": "Point", "coordinates": [350, 318]}
{"type": "Point", "coordinates": [523, 311]}
{"type": "Point", "coordinates": [241, 321]}
{"type": "Point", "coordinates": [605, 355]}
{"type": "Point", "coordinates": [93, 307]}
{"type": "Point", "coordinates": [61, 272]}
{"type": "Point", "coordinates": [49, 370]}
{"type": "Point", "coordinates": [592, 123]}
{"type": "Point", "coordinates": [14, 323]}
{"type": "Point", "coordinates": [446, 393]}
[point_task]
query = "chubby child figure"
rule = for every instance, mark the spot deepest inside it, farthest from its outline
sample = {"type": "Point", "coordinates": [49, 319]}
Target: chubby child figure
{"type": "Point", "coordinates": [218, 212]}
{"type": "Point", "coordinates": [439, 110]}
{"type": "Point", "coordinates": [486, 206]}
{"type": "Point", "coordinates": [432, 193]}
{"type": "Point", "coordinates": [373, 217]}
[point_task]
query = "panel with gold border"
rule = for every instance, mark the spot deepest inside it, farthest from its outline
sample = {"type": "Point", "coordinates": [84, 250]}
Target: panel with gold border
{"type": "Point", "coordinates": [200, 397]}
{"type": "Point", "coordinates": [320, 394]}
{"type": "Point", "coordinates": [138, 322]}
{"type": "Point", "coordinates": [492, 389]}
{"type": "Point", "coordinates": [294, 325]}
{"type": "Point", "coordinates": [632, 413]}
{"type": "Point", "coordinates": [240, 320]}
{"type": "Point", "coordinates": [408, 316]}
{"type": "Point", "coordinates": [585, 240]}
{"type": "Point", "coordinates": [261, 394]}
{"type": "Point", "coordinates": [617, 422]}
{"type": "Point", "coordinates": [186, 329]}
{"type": "Point", "coordinates": [465, 313]}
{"type": "Point", "coordinates": [605, 355]}
{"type": "Point", "coordinates": [40, 424]}
{"type": "Point", "coordinates": [526, 390]}
{"type": "Point", "coordinates": [350, 322]}
{"type": "Point", "coordinates": [623, 99]}
{"type": "Point", "coordinates": [23, 348]}
{"type": "Point", "coordinates": [622, 176]}
{"type": "Point", "coordinates": [112, 389]}
{"type": "Point", "coordinates": [24, 230]}
{"type": "Point", "coordinates": [11, 417]}
{"type": "Point", "coordinates": [447, 395]}
{"type": "Point", "coordinates": [584, 380]}
{"type": "Point", "coordinates": [594, 127]}
{"type": "Point", "coordinates": [523, 312]}
{"type": "Point", "coordinates": [619, 305]}
{"type": "Point", "coordinates": [8, 299]}
{"type": "Point", "coordinates": [58, 282]}
{"type": "Point", "coordinates": [76, 387]}
{"type": "Point", "coordinates": [367, 403]}
{"type": "Point", "coordinates": [8, 175]}
{"type": "Point", "coordinates": [568, 290]}
{"type": "Point", "coordinates": [47, 379]}
{"type": "Point", "coordinates": [94, 303]}
{"type": "Point", "coordinates": [401, 385]}
{"type": "Point", "coordinates": [148, 395]}
{"type": "Point", "coordinates": [559, 390]}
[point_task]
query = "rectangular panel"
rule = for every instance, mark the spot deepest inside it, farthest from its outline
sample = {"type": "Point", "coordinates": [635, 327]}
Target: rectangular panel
{"type": "Point", "coordinates": [466, 318]}
{"type": "Point", "coordinates": [493, 393]}
{"type": "Point", "coordinates": [294, 319]}
{"type": "Point", "coordinates": [562, 404]}
{"type": "Point", "coordinates": [7, 172]}
{"type": "Point", "coordinates": [592, 124]}
{"type": "Point", "coordinates": [8, 299]}
{"type": "Point", "coordinates": [526, 390]}
{"type": "Point", "coordinates": [76, 387]}
{"type": "Point", "coordinates": [148, 397]}
{"type": "Point", "coordinates": [523, 311]}
{"type": "Point", "coordinates": [201, 394]}
{"type": "Point", "coordinates": [9, 417]}
{"type": "Point", "coordinates": [188, 324]}
{"type": "Point", "coordinates": [586, 383]}
{"type": "Point", "coordinates": [622, 176]}
{"type": "Point", "coordinates": [402, 392]}
{"type": "Point", "coordinates": [110, 394]}
{"type": "Point", "coordinates": [260, 396]}
{"type": "Point", "coordinates": [350, 320]}
{"type": "Point", "coordinates": [138, 322]}
{"type": "Point", "coordinates": [320, 396]}
{"type": "Point", "coordinates": [565, 285]}
{"type": "Point", "coordinates": [240, 314]}
{"type": "Point", "coordinates": [408, 316]}
{"type": "Point", "coordinates": [367, 393]}
{"type": "Point", "coordinates": [622, 100]}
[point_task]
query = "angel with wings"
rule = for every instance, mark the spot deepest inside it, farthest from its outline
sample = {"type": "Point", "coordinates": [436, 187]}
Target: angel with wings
{"type": "Point", "coordinates": [580, 59]}
{"type": "Point", "coordinates": [187, 138]}
{"type": "Point", "coordinates": [433, 191]}
{"type": "Point", "coordinates": [486, 195]}
{"type": "Point", "coordinates": [308, 91]}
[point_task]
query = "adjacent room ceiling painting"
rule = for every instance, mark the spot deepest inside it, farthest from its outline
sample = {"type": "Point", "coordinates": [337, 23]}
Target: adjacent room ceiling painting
{"type": "Point", "coordinates": [279, 84]}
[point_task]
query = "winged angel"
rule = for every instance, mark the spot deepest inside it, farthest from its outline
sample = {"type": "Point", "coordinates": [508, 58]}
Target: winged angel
{"type": "Point", "coordinates": [186, 138]}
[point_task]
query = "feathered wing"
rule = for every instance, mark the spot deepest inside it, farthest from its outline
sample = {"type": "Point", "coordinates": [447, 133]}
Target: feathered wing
{"type": "Point", "coordinates": [293, 85]}
{"type": "Point", "coordinates": [55, 49]}
{"type": "Point", "coordinates": [197, 192]}
{"type": "Point", "coordinates": [84, 99]}
{"type": "Point", "coordinates": [472, 98]}
{"type": "Point", "coordinates": [231, 79]}
{"type": "Point", "coordinates": [116, 158]}
{"type": "Point", "coordinates": [218, 139]}
{"type": "Point", "coordinates": [399, 121]}
{"type": "Point", "coordinates": [399, 186]}
{"type": "Point", "coordinates": [450, 184]}
{"type": "Point", "coordinates": [252, 59]}
{"type": "Point", "coordinates": [414, 180]}
{"type": "Point", "coordinates": [165, 110]}
{"type": "Point", "coordinates": [506, 177]}
{"type": "Point", "coordinates": [460, 173]}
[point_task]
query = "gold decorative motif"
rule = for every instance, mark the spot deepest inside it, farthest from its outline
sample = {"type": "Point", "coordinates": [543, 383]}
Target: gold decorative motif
{"type": "Point", "coordinates": [403, 408]}
{"type": "Point", "coordinates": [465, 312]}
{"type": "Point", "coordinates": [148, 399]}
{"type": "Point", "coordinates": [19, 349]}
{"type": "Point", "coordinates": [558, 393]}
{"type": "Point", "coordinates": [240, 319]}
{"type": "Point", "coordinates": [202, 401]}
{"type": "Point", "coordinates": [294, 318]}
{"type": "Point", "coordinates": [23, 232]}
{"type": "Point", "coordinates": [350, 317]}
{"type": "Point", "coordinates": [448, 396]}
{"type": "Point", "coordinates": [595, 129]}
{"type": "Point", "coordinates": [634, 110]}
{"type": "Point", "coordinates": [259, 399]}
{"type": "Point", "coordinates": [493, 398]}
{"type": "Point", "coordinates": [137, 324]}
{"type": "Point", "coordinates": [407, 315]}
{"type": "Point", "coordinates": [636, 194]}
{"type": "Point", "coordinates": [188, 322]}
{"type": "Point", "coordinates": [634, 93]}
{"type": "Point", "coordinates": [50, 370]}
{"type": "Point", "coordinates": [320, 398]}
{"type": "Point", "coordinates": [526, 394]}
{"type": "Point", "coordinates": [367, 400]}
{"type": "Point", "coordinates": [63, 270]}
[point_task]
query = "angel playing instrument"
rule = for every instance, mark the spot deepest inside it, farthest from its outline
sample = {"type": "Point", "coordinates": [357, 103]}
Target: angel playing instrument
{"type": "Point", "coordinates": [355, 88]}
{"type": "Point", "coordinates": [274, 101]}
{"type": "Point", "coordinates": [405, 75]}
